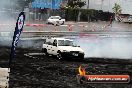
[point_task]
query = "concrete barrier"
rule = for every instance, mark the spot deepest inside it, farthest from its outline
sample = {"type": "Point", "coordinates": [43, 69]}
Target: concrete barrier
{"type": "Point", "coordinates": [31, 34]}
{"type": "Point", "coordinates": [4, 77]}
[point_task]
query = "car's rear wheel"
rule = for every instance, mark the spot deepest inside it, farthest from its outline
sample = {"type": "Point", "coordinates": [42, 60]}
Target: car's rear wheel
{"type": "Point", "coordinates": [57, 23]}
{"type": "Point", "coordinates": [62, 22]}
{"type": "Point", "coordinates": [59, 56]}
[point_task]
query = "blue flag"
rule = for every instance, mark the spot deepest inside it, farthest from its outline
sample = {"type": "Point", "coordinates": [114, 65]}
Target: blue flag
{"type": "Point", "coordinates": [17, 33]}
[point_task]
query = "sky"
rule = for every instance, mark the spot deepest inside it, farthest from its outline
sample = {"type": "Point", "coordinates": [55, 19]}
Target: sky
{"type": "Point", "coordinates": [107, 5]}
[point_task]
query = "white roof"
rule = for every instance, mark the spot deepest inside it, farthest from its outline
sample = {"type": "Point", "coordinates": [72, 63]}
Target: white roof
{"type": "Point", "coordinates": [61, 39]}
{"type": "Point", "coordinates": [55, 16]}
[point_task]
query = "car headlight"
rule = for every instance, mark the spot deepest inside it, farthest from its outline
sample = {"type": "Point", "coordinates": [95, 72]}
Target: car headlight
{"type": "Point", "coordinates": [81, 52]}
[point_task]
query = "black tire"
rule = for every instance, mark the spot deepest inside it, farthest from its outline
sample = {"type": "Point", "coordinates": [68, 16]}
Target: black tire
{"type": "Point", "coordinates": [81, 58]}
{"type": "Point", "coordinates": [59, 56]}
{"type": "Point", "coordinates": [45, 51]}
{"type": "Point", "coordinates": [62, 23]}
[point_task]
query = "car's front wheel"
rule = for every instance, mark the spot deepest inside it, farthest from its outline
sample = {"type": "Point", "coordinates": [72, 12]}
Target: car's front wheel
{"type": "Point", "coordinates": [45, 51]}
{"type": "Point", "coordinates": [81, 58]}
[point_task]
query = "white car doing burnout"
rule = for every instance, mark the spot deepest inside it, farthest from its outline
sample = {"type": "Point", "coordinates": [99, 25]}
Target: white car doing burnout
{"type": "Point", "coordinates": [55, 20]}
{"type": "Point", "coordinates": [62, 48]}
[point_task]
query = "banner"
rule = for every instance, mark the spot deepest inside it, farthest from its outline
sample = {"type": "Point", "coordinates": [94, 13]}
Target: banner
{"type": "Point", "coordinates": [51, 4]}
{"type": "Point", "coordinates": [17, 32]}
{"type": "Point", "coordinates": [56, 4]}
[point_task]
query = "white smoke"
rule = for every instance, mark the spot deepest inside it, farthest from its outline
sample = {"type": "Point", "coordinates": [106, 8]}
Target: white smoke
{"type": "Point", "coordinates": [106, 47]}
{"type": "Point", "coordinates": [8, 17]}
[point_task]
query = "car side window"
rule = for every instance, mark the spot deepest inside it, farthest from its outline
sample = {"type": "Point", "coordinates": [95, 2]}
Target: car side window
{"type": "Point", "coordinates": [50, 43]}
{"type": "Point", "coordinates": [46, 42]}
{"type": "Point", "coordinates": [55, 43]}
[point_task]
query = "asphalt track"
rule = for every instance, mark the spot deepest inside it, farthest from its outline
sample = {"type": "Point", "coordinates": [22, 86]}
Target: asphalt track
{"type": "Point", "coordinates": [32, 69]}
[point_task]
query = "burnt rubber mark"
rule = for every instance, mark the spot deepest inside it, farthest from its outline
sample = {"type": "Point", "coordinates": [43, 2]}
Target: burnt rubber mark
{"type": "Point", "coordinates": [86, 60]}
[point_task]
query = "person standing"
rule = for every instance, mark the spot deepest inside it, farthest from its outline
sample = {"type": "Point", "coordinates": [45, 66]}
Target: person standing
{"type": "Point", "coordinates": [111, 21]}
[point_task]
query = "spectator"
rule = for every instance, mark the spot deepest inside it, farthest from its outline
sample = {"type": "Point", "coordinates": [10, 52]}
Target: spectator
{"type": "Point", "coordinates": [111, 21]}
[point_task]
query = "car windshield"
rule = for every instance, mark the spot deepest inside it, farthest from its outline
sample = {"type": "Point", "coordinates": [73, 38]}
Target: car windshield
{"type": "Point", "coordinates": [130, 17]}
{"type": "Point", "coordinates": [65, 43]}
{"type": "Point", "coordinates": [55, 17]}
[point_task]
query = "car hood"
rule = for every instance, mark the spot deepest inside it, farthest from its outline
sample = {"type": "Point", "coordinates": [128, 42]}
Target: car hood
{"type": "Point", "coordinates": [70, 48]}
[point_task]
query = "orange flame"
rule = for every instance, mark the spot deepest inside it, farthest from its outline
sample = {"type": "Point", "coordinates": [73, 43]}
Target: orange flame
{"type": "Point", "coordinates": [81, 71]}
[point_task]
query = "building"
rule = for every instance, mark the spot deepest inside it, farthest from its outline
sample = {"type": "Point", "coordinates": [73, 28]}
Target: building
{"type": "Point", "coordinates": [53, 6]}
{"type": "Point", "coordinates": [107, 5]}
{"type": "Point", "coordinates": [42, 4]}
{"type": "Point", "coordinates": [42, 9]}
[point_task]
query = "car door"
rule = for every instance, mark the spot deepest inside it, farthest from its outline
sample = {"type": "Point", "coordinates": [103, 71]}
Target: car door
{"type": "Point", "coordinates": [49, 49]}
{"type": "Point", "coordinates": [59, 20]}
{"type": "Point", "coordinates": [54, 47]}
{"type": "Point", "coordinates": [50, 19]}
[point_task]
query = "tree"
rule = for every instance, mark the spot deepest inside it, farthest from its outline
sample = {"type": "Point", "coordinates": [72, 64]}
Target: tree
{"type": "Point", "coordinates": [117, 10]}
{"type": "Point", "coordinates": [76, 5]}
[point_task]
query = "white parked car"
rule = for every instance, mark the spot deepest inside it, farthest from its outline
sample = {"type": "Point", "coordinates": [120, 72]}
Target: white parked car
{"type": "Point", "coordinates": [55, 20]}
{"type": "Point", "coordinates": [62, 48]}
{"type": "Point", "coordinates": [127, 19]}
{"type": "Point", "coordinates": [130, 18]}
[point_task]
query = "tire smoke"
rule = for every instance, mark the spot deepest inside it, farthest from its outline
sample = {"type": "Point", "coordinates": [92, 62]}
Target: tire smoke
{"type": "Point", "coordinates": [106, 47]}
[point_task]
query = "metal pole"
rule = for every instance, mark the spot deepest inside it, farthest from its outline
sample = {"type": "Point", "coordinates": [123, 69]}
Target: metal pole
{"type": "Point", "coordinates": [109, 6]}
{"type": "Point", "coordinates": [88, 5]}
{"type": "Point", "coordinates": [101, 4]}
{"type": "Point", "coordinates": [87, 9]}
